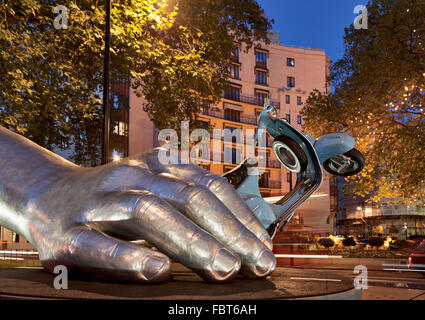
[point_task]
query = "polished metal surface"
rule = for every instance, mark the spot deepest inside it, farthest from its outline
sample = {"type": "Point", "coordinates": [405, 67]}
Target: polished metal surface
{"type": "Point", "coordinates": [83, 218]}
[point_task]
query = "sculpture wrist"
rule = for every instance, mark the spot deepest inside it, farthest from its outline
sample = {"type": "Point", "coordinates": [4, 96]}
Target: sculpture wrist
{"type": "Point", "coordinates": [26, 172]}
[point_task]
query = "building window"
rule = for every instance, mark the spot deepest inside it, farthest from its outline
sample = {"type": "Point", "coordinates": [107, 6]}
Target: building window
{"type": "Point", "coordinates": [261, 96]}
{"type": "Point", "coordinates": [290, 62]}
{"type": "Point", "coordinates": [235, 52]}
{"type": "Point", "coordinates": [261, 77]}
{"type": "Point", "coordinates": [15, 237]}
{"type": "Point", "coordinates": [232, 155]}
{"type": "Point", "coordinates": [232, 115]}
{"type": "Point", "coordinates": [299, 119]}
{"type": "Point", "coordinates": [288, 99]}
{"type": "Point", "coordinates": [204, 124]}
{"type": "Point", "coordinates": [290, 82]}
{"type": "Point", "coordinates": [119, 101]}
{"type": "Point", "coordinates": [232, 93]}
{"type": "Point", "coordinates": [120, 129]}
{"type": "Point", "coordinates": [288, 117]}
{"type": "Point", "coordinates": [234, 71]}
{"type": "Point", "coordinates": [299, 101]}
{"type": "Point", "coordinates": [263, 181]}
{"type": "Point", "coordinates": [261, 59]}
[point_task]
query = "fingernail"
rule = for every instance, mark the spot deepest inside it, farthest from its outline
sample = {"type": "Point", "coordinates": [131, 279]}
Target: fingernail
{"type": "Point", "coordinates": [266, 263]}
{"type": "Point", "coordinates": [226, 264]}
{"type": "Point", "coordinates": [157, 269]}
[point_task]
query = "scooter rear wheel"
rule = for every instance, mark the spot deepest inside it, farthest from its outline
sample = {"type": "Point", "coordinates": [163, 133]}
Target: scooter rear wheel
{"type": "Point", "coordinates": [355, 156]}
{"type": "Point", "coordinates": [290, 154]}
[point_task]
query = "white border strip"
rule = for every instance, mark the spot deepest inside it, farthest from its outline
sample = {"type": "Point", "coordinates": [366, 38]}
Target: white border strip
{"type": "Point", "coordinates": [18, 252]}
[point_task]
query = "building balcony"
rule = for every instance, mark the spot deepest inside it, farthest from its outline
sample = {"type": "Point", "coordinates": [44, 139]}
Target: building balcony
{"type": "Point", "coordinates": [273, 164]}
{"type": "Point", "coordinates": [261, 64]}
{"type": "Point", "coordinates": [252, 100]}
{"type": "Point", "coordinates": [246, 119]}
{"type": "Point", "coordinates": [234, 59]}
{"type": "Point", "coordinates": [270, 184]}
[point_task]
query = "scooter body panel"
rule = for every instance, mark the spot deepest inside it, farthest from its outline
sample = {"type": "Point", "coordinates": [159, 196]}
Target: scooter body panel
{"type": "Point", "coordinates": [333, 144]}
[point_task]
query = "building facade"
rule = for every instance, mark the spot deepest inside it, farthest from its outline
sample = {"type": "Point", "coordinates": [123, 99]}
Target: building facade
{"type": "Point", "coordinates": [12, 241]}
{"type": "Point", "coordinates": [283, 74]}
{"type": "Point", "coordinates": [358, 217]}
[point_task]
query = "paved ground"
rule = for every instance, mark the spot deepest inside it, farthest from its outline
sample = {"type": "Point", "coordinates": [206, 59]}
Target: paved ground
{"type": "Point", "coordinates": [283, 284]}
{"type": "Point", "coordinates": [308, 277]}
{"type": "Point", "coordinates": [386, 293]}
{"type": "Point", "coordinates": [382, 284]}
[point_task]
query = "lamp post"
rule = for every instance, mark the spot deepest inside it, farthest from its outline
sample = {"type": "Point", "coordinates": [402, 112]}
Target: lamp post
{"type": "Point", "coordinates": [106, 111]}
{"type": "Point", "coordinates": [362, 210]}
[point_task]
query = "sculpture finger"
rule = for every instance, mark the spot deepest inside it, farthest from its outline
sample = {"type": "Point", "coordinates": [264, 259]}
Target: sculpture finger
{"type": "Point", "coordinates": [207, 211]}
{"type": "Point", "coordinates": [142, 215]}
{"type": "Point", "coordinates": [93, 252]}
{"type": "Point", "coordinates": [227, 194]}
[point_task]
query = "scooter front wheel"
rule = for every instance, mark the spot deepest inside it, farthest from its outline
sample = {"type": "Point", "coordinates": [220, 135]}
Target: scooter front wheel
{"type": "Point", "coordinates": [345, 165]}
{"type": "Point", "coordinates": [290, 154]}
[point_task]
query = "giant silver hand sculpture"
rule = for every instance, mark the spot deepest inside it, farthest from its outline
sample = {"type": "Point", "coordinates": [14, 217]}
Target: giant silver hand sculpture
{"type": "Point", "coordinates": [83, 217]}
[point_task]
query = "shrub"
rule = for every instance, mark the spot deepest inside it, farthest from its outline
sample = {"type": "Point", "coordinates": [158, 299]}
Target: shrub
{"type": "Point", "coordinates": [326, 242]}
{"type": "Point", "coordinates": [349, 242]}
{"type": "Point", "coordinates": [376, 241]}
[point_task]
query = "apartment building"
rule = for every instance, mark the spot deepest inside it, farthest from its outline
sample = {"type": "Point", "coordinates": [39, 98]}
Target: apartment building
{"type": "Point", "coordinates": [283, 74]}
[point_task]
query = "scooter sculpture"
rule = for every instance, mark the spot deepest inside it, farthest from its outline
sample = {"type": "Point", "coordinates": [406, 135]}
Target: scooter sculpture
{"type": "Point", "coordinates": [301, 154]}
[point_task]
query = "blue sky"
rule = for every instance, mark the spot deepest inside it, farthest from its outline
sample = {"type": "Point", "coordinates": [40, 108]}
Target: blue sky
{"type": "Point", "coordinates": [312, 23]}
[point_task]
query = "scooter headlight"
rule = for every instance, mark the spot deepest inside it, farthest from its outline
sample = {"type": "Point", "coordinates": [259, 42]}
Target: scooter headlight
{"type": "Point", "coordinates": [272, 112]}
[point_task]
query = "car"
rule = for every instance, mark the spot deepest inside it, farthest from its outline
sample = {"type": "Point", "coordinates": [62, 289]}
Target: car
{"type": "Point", "coordinates": [417, 259]}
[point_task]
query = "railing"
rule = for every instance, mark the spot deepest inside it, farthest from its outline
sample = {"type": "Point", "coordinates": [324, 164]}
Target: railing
{"type": "Point", "coordinates": [252, 100]}
{"type": "Point", "coordinates": [273, 164]}
{"type": "Point", "coordinates": [234, 59]}
{"type": "Point", "coordinates": [261, 64]}
{"type": "Point", "coordinates": [241, 118]}
{"type": "Point", "coordinates": [274, 184]}
{"type": "Point", "coordinates": [269, 184]}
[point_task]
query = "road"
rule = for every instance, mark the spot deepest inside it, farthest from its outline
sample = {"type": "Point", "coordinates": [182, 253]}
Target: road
{"type": "Point", "coordinates": [382, 284]}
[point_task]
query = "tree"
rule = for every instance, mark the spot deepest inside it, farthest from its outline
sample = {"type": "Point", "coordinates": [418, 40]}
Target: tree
{"type": "Point", "coordinates": [174, 51]}
{"type": "Point", "coordinates": [379, 99]}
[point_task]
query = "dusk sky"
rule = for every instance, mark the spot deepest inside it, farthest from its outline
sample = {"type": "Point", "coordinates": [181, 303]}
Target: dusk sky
{"type": "Point", "coordinates": [312, 23]}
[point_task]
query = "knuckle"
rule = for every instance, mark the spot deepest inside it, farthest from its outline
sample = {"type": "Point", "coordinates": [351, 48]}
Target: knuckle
{"type": "Point", "coordinates": [195, 192]}
{"type": "Point", "coordinates": [143, 204]}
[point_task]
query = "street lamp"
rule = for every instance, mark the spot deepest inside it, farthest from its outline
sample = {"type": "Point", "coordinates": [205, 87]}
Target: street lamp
{"type": "Point", "coordinates": [362, 210]}
{"type": "Point", "coordinates": [106, 111]}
